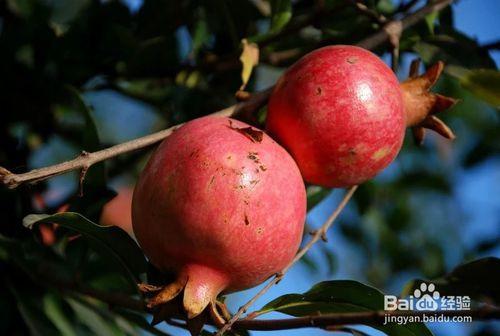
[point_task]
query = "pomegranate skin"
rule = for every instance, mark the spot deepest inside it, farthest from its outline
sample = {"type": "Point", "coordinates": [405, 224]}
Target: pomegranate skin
{"type": "Point", "coordinates": [118, 211]}
{"type": "Point", "coordinates": [339, 111]}
{"type": "Point", "coordinates": [223, 211]}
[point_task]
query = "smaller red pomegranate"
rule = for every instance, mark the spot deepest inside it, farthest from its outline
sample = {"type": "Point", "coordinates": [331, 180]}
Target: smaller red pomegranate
{"type": "Point", "coordinates": [342, 114]}
{"type": "Point", "coordinates": [222, 205]}
{"type": "Point", "coordinates": [118, 211]}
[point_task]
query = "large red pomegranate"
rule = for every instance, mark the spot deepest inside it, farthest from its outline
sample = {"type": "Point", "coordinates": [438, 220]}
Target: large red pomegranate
{"type": "Point", "coordinates": [342, 114]}
{"type": "Point", "coordinates": [222, 205]}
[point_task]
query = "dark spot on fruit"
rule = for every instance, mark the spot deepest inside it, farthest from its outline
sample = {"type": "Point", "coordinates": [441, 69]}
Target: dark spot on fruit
{"type": "Point", "coordinates": [351, 157]}
{"type": "Point", "coordinates": [263, 168]}
{"type": "Point", "coordinates": [194, 153]}
{"type": "Point", "coordinates": [319, 91]}
{"type": "Point", "coordinates": [352, 59]}
{"type": "Point", "coordinates": [246, 202]}
{"type": "Point", "coordinates": [254, 182]}
{"type": "Point", "coordinates": [249, 132]}
{"type": "Point", "coordinates": [237, 172]}
{"type": "Point", "coordinates": [247, 222]}
{"type": "Point", "coordinates": [229, 157]}
{"type": "Point", "coordinates": [253, 156]}
{"type": "Point", "coordinates": [259, 230]}
{"type": "Point", "coordinates": [212, 180]}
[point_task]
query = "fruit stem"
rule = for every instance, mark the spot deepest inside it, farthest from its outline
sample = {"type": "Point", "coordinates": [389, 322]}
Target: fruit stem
{"type": "Point", "coordinates": [421, 104]}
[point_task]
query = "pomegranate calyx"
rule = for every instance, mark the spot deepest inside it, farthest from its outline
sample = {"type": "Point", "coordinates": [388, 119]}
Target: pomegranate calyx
{"type": "Point", "coordinates": [219, 313]}
{"type": "Point", "coordinates": [168, 292]}
{"type": "Point", "coordinates": [196, 324]}
{"type": "Point", "coordinates": [201, 285]}
{"type": "Point", "coordinates": [421, 104]}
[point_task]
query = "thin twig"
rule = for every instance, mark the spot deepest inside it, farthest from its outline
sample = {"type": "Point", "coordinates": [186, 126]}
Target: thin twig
{"type": "Point", "coordinates": [404, 7]}
{"type": "Point", "coordinates": [391, 31]}
{"type": "Point", "coordinates": [317, 235]}
{"type": "Point", "coordinates": [394, 29]}
{"type": "Point", "coordinates": [12, 180]}
{"type": "Point", "coordinates": [317, 321]}
{"type": "Point", "coordinates": [322, 321]}
{"type": "Point", "coordinates": [317, 15]}
{"type": "Point", "coordinates": [85, 160]}
{"type": "Point", "coordinates": [375, 317]}
{"type": "Point", "coordinates": [381, 36]}
{"type": "Point", "coordinates": [373, 41]}
{"type": "Point", "coordinates": [109, 297]}
{"type": "Point", "coordinates": [362, 8]}
{"type": "Point", "coordinates": [495, 45]}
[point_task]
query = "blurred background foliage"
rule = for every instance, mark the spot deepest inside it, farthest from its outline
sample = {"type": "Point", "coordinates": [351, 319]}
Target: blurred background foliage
{"type": "Point", "coordinates": [86, 74]}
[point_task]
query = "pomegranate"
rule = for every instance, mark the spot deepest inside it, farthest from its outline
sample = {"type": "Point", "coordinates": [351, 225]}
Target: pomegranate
{"type": "Point", "coordinates": [342, 114]}
{"type": "Point", "coordinates": [222, 205]}
{"type": "Point", "coordinates": [118, 211]}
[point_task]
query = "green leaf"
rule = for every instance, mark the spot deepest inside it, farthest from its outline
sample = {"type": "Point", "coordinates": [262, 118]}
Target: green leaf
{"type": "Point", "coordinates": [340, 296]}
{"type": "Point", "coordinates": [281, 13]}
{"type": "Point", "coordinates": [96, 176]}
{"type": "Point", "coordinates": [140, 322]}
{"type": "Point", "coordinates": [63, 12]}
{"type": "Point", "coordinates": [385, 7]}
{"type": "Point", "coordinates": [425, 180]}
{"type": "Point", "coordinates": [484, 84]}
{"type": "Point", "coordinates": [315, 195]}
{"type": "Point", "coordinates": [6, 246]}
{"type": "Point", "coordinates": [478, 279]}
{"type": "Point", "coordinates": [52, 307]}
{"type": "Point", "coordinates": [310, 263]}
{"type": "Point", "coordinates": [345, 292]}
{"type": "Point", "coordinates": [33, 316]}
{"type": "Point", "coordinates": [201, 34]}
{"type": "Point", "coordinates": [95, 322]}
{"type": "Point", "coordinates": [23, 8]}
{"type": "Point", "coordinates": [112, 320]}
{"type": "Point", "coordinates": [430, 20]}
{"type": "Point", "coordinates": [249, 59]}
{"type": "Point", "coordinates": [453, 48]}
{"type": "Point", "coordinates": [117, 244]}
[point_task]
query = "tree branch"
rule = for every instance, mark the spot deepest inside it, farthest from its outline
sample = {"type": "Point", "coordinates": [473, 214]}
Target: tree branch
{"type": "Point", "coordinates": [382, 36]}
{"type": "Point", "coordinates": [362, 8]}
{"type": "Point", "coordinates": [404, 7]}
{"type": "Point", "coordinates": [317, 235]}
{"type": "Point", "coordinates": [495, 45]}
{"type": "Point", "coordinates": [365, 318]}
{"type": "Point", "coordinates": [318, 14]}
{"type": "Point", "coordinates": [389, 32]}
{"type": "Point", "coordinates": [317, 321]}
{"type": "Point", "coordinates": [85, 160]}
